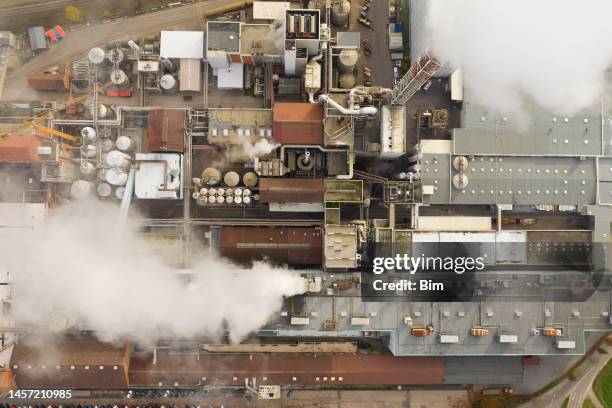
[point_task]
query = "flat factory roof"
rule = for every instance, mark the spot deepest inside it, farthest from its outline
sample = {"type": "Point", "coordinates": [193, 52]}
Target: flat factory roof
{"type": "Point", "coordinates": [182, 44]}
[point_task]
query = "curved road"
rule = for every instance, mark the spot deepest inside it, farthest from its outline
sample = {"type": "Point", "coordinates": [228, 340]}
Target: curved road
{"type": "Point", "coordinates": [578, 390]}
{"type": "Point", "coordinates": [78, 43]}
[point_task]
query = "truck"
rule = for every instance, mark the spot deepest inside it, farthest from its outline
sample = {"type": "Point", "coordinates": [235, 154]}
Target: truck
{"type": "Point", "coordinates": [498, 391]}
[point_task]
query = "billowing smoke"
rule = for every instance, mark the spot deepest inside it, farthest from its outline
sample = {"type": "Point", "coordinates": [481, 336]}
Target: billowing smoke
{"type": "Point", "coordinates": [260, 148]}
{"type": "Point", "coordinates": [554, 51]}
{"type": "Point", "coordinates": [80, 267]}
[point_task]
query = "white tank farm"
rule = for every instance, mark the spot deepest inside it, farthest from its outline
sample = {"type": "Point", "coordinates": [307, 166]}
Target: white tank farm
{"type": "Point", "coordinates": [116, 158]}
{"type": "Point", "coordinates": [119, 192]}
{"type": "Point", "coordinates": [203, 200]}
{"type": "Point", "coordinates": [340, 12]}
{"type": "Point", "coordinates": [220, 191]}
{"type": "Point", "coordinates": [212, 191]}
{"type": "Point", "coordinates": [203, 191]}
{"type": "Point", "coordinates": [229, 199]}
{"type": "Point", "coordinates": [246, 200]}
{"type": "Point", "coordinates": [88, 133]}
{"type": "Point", "coordinates": [250, 179]}
{"type": "Point", "coordinates": [238, 191]}
{"type": "Point", "coordinates": [116, 176]}
{"type": "Point", "coordinates": [125, 144]}
{"type": "Point", "coordinates": [231, 179]}
{"type": "Point", "coordinates": [229, 191]}
{"type": "Point", "coordinates": [246, 192]}
{"type": "Point", "coordinates": [106, 145]}
{"type": "Point", "coordinates": [87, 168]}
{"type": "Point", "coordinates": [168, 83]}
{"type": "Point", "coordinates": [220, 199]}
{"type": "Point", "coordinates": [104, 190]}
{"type": "Point", "coordinates": [238, 199]}
{"type": "Point", "coordinates": [90, 151]}
{"type": "Point", "coordinates": [81, 189]}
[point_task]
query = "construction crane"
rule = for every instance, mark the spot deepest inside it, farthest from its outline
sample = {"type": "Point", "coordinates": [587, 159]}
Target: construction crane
{"type": "Point", "coordinates": [35, 122]}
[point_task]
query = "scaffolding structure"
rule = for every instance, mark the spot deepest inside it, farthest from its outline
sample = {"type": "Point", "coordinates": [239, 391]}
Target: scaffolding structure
{"type": "Point", "coordinates": [420, 72]}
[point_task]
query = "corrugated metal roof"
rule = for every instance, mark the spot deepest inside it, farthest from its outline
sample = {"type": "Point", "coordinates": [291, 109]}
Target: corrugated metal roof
{"type": "Point", "coordinates": [165, 130]}
{"type": "Point", "coordinates": [190, 75]}
{"type": "Point", "coordinates": [298, 123]}
{"type": "Point", "coordinates": [285, 190]}
{"type": "Point", "coordinates": [84, 363]}
{"type": "Point", "coordinates": [292, 245]}
{"type": "Point", "coordinates": [303, 369]}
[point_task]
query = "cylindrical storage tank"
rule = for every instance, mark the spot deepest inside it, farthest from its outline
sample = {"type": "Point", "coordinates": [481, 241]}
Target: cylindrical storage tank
{"type": "Point", "coordinates": [229, 199]}
{"type": "Point", "coordinates": [346, 80]}
{"type": "Point", "coordinates": [88, 133]}
{"type": "Point", "coordinates": [125, 144]}
{"type": "Point", "coordinates": [203, 191]}
{"type": "Point", "coordinates": [81, 189]}
{"type": "Point", "coordinates": [119, 78]}
{"type": "Point", "coordinates": [96, 55]}
{"type": "Point", "coordinates": [115, 55]}
{"type": "Point", "coordinates": [104, 190]}
{"type": "Point", "coordinates": [347, 60]}
{"type": "Point", "coordinates": [211, 176]}
{"type": "Point", "coordinates": [203, 200]}
{"type": "Point", "coordinates": [246, 192]}
{"type": "Point", "coordinates": [340, 13]}
{"type": "Point", "coordinates": [106, 145]}
{"type": "Point", "coordinates": [229, 191]}
{"type": "Point", "coordinates": [256, 197]}
{"type": "Point", "coordinates": [220, 199]}
{"type": "Point", "coordinates": [212, 191]}
{"type": "Point", "coordinates": [102, 110]}
{"type": "Point", "coordinates": [116, 176]}
{"type": "Point", "coordinates": [195, 195]}
{"type": "Point", "coordinates": [212, 199]}
{"type": "Point", "coordinates": [237, 199]}
{"type": "Point", "coordinates": [87, 168]}
{"type": "Point", "coordinates": [231, 179]}
{"type": "Point", "coordinates": [246, 200]}
{"type": "Point", "coordinates": [90, 151]}
{"type": "Point", "coordinates": [250, 179]}
{"type": "Point", "coordinates": [168, 83]}
{"type": "Point", "coordinates": [119, 192]}
{"type": "Point", "coordinates": [238, 191]}
{"type": "Point", "coordinates": [116, 158]}
{"type": "Point", "coordinates": [220, 191]}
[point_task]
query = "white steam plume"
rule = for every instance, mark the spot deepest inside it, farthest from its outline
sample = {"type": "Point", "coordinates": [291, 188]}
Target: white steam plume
{"type": "Point", "coordinates": [80, 266]}
{"type": "Point", "coordinates": [552, 50]}
{"type": "Point", "coordinates": [260, 148]}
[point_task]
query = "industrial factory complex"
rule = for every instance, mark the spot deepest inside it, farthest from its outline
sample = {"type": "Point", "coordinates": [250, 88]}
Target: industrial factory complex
{"type": "Point", "coordinates": [287, 132]}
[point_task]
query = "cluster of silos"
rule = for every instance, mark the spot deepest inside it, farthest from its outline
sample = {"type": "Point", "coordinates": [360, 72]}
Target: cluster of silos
{"type": "Point", "coordinates": [346, 63]}
{"type": "Point", "coordinates": [212, 189]}
{"type": "Point", "coordinates": [108, 66]}
{"type": "Point", "coordinates": [104, 166]}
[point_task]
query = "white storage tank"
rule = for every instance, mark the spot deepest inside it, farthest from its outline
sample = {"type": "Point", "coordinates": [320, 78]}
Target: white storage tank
{"type": "Point", "coordinates": [346, 80]}
{"type": "Point", "coordinates": [88, 133]}
{"type": "Point", "coordinates": [119, 78]}
{"type": "Point", "coordinates": [104, 190]}
{"type": "Point", "coordinates": [340, 12]}
{"type": "Point", "coordinates": [168, 83]}
{"type": "Point", "coordinates": [211, 176]}
{"type": "Point", "coordinates": [96, 55]}
{"type": "Point", "coordinates": [90, 151]}
{"type": "Point", "coordinates": [116, 176]}
{"type": "Point", "coordinates": [87, 168]}
{"type": "Point", "coordinates": [231, 179]}
{"type": "Point", "coordinates": [116, 158]}
{"type": "Point", "coordinates": [119, 192]}
{"type": "Point", "coordinates": [81, 189]}
{"type": "Point", "coordinates": [125, 144]}
{"type": "Point", "coordinates": [347, 60]}
{"type": "Point", "coordinates": [250, 179]}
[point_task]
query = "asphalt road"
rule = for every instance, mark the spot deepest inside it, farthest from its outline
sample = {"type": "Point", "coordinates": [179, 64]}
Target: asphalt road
{"type": "Point", "coordinates": [78, 43]}
{"type": "Point", "coordinates": [579, 390]}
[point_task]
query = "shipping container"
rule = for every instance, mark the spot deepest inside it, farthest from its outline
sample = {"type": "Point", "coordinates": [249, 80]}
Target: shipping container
{"type": "Point", "coordinates": [479, 332]}
{"type": "Point", "coordinates": [419, 331]}
{"type": "Point", "coordinates": [291, 190]}
{"type": "Point", "coordinates": [298, 123]}
{"type": "Point", "coordinates": [287, 245]}
{"type": "Point", "coordinates": [165, 131]}
{"type": "Point", "coordinates": [551, 332]}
